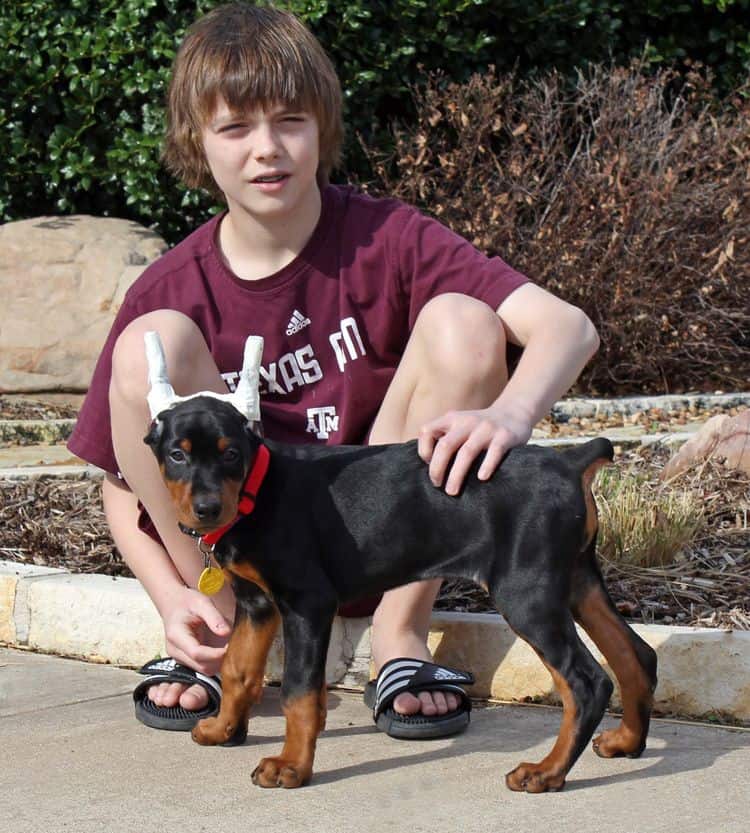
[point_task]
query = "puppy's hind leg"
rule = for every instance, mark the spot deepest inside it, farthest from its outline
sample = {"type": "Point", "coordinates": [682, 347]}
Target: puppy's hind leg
{"type": "Point", "coordinates": [584, 688]}
{"type": "Point", "coordinates": [632, 660]}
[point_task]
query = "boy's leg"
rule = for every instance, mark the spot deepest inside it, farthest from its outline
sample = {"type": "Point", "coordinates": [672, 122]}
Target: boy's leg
{"type": "Point", "coordinates": [454, 360]}
{"type": "Point", "coordinates": [168, 571]}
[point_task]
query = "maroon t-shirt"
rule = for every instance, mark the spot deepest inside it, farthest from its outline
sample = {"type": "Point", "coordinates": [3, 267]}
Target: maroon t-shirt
{"type": "Point", "coordinates": [335, 320]}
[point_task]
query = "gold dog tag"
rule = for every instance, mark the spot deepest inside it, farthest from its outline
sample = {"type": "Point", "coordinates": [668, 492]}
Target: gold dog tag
{"type": "Point", "coordinates": [211, 581]}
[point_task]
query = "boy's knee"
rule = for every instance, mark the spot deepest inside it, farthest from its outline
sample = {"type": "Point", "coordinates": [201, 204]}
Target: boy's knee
{"type": "Point", "coordinates": [463, 338]}
{"type": "Point", "coordinates": [181, 339]}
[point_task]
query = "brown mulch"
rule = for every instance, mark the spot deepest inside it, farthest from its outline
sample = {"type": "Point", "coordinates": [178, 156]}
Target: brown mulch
{"type": "Point", "coordinates": [652, 421]}
{"type": "Point", "coordinates": [53, 522]}
{"type": "Point", "coordinates": [60, 523]}
{"type": "Point", "coordinates": [17, 407]}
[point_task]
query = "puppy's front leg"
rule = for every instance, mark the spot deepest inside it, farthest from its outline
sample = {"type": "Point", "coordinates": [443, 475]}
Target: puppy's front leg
{"type": "Point", "coordinates": [303, 698]}
{"type": "Point", "coordinates": [242, 669]}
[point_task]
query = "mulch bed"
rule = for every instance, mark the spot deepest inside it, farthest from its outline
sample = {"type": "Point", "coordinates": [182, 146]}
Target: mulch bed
{"type": "Point", "coordinates": [16, 407]}
{"type": "Point", "coordinates": [651, 421]}
{"type": "Point", "coordinates": [60, 523]}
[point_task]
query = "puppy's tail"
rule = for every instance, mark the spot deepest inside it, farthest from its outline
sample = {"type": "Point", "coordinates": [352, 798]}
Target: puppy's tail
{"type": "Point", "coordinates": [582, 457]}
{"type": "Point", "coordinates": [587, 459]}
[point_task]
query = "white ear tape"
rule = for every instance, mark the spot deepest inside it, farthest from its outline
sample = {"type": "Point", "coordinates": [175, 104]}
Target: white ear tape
{"type": "Point", "coordinates": [161, 393]}
{"type": "Point", "coordinates": [246, 397]}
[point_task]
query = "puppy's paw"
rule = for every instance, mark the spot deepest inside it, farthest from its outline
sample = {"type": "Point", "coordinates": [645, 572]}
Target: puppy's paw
{"type": "Point", "coordinates": [531, 778]}
{"type": "Point", "coordinates": [215, 731]}
{"type": "Point", "coordinates": [619, 742]}
{"type": "Point", "coordinates": [280, 772]}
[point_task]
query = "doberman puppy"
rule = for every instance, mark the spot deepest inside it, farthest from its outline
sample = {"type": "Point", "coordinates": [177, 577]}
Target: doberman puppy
{"type": "Point", "coordinates": [331, 524]}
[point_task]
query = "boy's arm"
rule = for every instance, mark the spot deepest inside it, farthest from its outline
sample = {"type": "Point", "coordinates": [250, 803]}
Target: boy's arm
{"type": "Point", "coordinates": [558, 340]}
{"type": "Point", "coordinates": [185, 612]}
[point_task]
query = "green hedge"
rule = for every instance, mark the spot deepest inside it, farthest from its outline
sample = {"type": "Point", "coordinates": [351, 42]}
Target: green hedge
{"type": "Point", "coordinates": [81, 106]}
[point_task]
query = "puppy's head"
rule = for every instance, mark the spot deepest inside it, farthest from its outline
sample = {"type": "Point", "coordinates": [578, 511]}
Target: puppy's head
{"type": "Point", "coordinates": [204, 448]}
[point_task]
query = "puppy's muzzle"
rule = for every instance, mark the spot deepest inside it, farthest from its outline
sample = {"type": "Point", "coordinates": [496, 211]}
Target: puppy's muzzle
{"type": "Point", "coordinates": [207, 508]}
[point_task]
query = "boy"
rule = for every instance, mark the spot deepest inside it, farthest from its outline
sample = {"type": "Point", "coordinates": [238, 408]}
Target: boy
{"type": "Point", "coordinates": [380, 325]}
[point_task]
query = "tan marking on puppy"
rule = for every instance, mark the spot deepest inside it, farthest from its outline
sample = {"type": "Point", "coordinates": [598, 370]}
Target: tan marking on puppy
{"type": "Point", "coordinates": [230, 494]}
{"type": "Point", "coordinates": [223, 444]}
{"type": "Point", "coordinates": [610, 635]}
{"type": "Point", "coordinates": [592, 519]}
{"type": "Point", "coordinates": [549, 774]}
{"type": "Point", "coordinates": [186, 446]}
{"type": "Point", "coordinates": [249, 573]}
{"type": "Point", "coordinates": [230, 498]}
{"type": "Point", "coordinates": [293, 768]}
{"type": "Point", "coordinates": [241, 680]}
{"type": "Point", "coordinates": [181, 496]}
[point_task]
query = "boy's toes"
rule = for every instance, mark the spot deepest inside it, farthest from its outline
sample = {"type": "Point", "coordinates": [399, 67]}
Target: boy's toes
{"type": "Point", "coordinates": [165, 694]}
{"type": "Point", "coordinates": [433, 702]}
{"type": "Point", "coordinates": [451, 701]}
{"type": "Point", "coordinates": [154, 694]}
{"type": "Point", "coordinates": [194, 698]}
{"type": "Point", "coordinates": [407, 703]}
{"type": "Point", "coordinates": [428, 703]}
{"type": "Point", "coordinates": [168, 695]}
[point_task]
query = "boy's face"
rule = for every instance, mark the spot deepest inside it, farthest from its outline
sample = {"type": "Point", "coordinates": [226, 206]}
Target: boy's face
{"type": "Point", "coordinates": [265, 162]}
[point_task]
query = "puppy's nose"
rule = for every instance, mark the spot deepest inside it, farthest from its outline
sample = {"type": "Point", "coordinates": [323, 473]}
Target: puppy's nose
{"type": "Point", "coordinates": [207, 508]}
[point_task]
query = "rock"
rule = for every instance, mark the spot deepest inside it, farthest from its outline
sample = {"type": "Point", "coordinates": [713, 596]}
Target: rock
{"type": "Point", "coordinates": [721, 437]}
{"type": "Point", "coordinates": [63, 281]}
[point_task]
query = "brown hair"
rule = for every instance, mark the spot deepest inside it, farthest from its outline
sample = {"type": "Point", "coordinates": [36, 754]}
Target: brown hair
{"type": "Point", "coordinates": [252, 57]}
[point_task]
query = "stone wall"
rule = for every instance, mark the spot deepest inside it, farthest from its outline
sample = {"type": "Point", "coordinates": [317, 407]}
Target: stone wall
{"type": "Point", "coordinates": [62, 280]}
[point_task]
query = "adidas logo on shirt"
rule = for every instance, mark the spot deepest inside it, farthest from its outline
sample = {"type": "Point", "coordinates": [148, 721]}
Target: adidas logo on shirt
{"type": "Point", "coordinates": [296, 323]}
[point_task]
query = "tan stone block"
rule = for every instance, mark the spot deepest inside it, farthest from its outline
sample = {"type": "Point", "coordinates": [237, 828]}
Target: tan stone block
{"type": "Point", "coordinates": [348, 660]}
{"type": "Point", "coordinates": [7, 602]}
{"type": "Point", "coordinates": [97, 617]}
{"type": "Point", "coordinates": [702, 671]}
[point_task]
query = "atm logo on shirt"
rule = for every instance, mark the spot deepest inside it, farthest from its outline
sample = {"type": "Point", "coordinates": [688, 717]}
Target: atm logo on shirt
{"type": "Point", "coordinates": [322, 421]}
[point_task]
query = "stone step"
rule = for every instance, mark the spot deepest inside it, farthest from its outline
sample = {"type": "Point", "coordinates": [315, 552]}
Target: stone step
{"type": "Point", "coordinates": [35, 430]}
{"type": "Point", "coordinates": [627, 436]}
{"type": "Point", "coordinates": [44, 460]}
{"type": "Point", "coordinates": [34, 448]}
{"type": "Point", "coordinates": [29, 461]}
{"type": "Point", "coordinates": [627, 405]}
{"type": "Point", "coordinates": [701, 670]}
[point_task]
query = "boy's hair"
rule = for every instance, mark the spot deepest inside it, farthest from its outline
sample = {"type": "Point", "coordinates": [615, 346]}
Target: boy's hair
{"type": "Point", "coordinates": [252, 57]}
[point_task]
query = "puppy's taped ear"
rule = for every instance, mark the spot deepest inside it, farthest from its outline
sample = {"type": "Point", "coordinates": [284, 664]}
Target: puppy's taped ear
{"type": "Point", "coordinates": [154, 433]}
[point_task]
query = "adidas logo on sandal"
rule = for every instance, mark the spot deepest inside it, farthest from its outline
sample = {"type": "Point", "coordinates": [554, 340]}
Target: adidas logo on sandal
{"type": "Point", "coordinates": [167, 664]}
{"type": "Point", "coordinates": [445, 674]}
{"type": "Point", "coordinates": [296, 323]}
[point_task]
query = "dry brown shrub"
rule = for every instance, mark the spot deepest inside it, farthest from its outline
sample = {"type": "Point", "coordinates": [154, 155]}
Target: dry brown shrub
{"type": "Point", "coordinates": [645, 523]}
{"type": "Point", "coordinates": [627, 195]}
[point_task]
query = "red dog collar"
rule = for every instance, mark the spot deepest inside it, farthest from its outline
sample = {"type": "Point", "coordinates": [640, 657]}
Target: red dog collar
{"type": "Point", "coordinates": [247, 495]}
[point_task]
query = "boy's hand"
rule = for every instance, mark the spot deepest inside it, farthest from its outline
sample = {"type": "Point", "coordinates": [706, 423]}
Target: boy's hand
{"type": "Point", "coordinates": [467, 434]}
{"type": "Point", "coordinates": [196, 633]}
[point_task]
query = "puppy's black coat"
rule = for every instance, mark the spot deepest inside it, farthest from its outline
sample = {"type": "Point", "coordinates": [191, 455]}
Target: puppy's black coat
{"type": "Point", "coordinates": [334, 524]}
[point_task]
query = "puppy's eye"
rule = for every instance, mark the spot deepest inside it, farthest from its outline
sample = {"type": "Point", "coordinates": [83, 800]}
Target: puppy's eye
{"type": "Point", "coordinates": [231, 455]}
{"type": "Point", "coordinates": [177, 456]}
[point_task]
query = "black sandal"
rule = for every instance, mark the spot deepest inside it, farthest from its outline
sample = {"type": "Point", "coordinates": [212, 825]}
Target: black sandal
{"type": "Point", "coordinates": [414, 675]}
{"type": "Point", "coordinates": [173, 718]}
